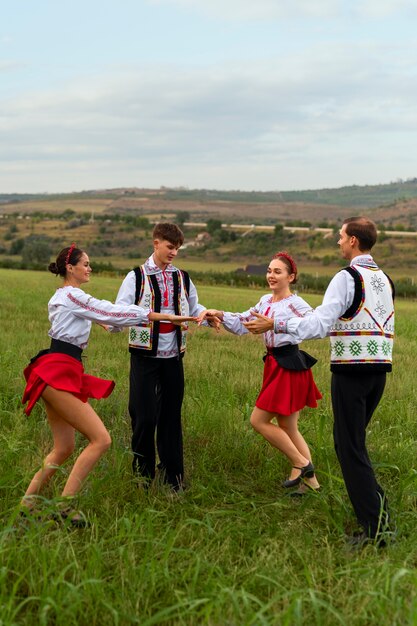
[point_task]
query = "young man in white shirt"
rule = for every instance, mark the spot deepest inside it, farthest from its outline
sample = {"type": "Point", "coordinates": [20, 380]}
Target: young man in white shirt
{"type": "Point", "coordinates": [156, 352]}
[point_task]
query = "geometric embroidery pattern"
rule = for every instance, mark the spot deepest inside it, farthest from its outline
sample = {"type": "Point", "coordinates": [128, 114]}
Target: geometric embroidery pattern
{"type": "Point", "coordinates": [372, 347]}
{"type": "Point", "coordinates": [133, 334]}
{"type": "Point", "coordinates": [338, 348]}
{"type": "Point", "coordinates": [85, 305]}
{"type": "Point", "coordinates": [380, 310]}
{"type": "Point", "coordinates": [386, 348]}
{"type": "Point", "coordinates": [144, 336]}
{"type": "Point", "coordinates": [355, 348]}
{"type": "Point", "coordinates": [377, 284]}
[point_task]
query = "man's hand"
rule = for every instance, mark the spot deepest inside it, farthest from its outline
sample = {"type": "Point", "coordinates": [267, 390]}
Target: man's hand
{"type": "Point", "coordinates": [180, 319]}
{"type": "Point", "coordinates": [260, 325]}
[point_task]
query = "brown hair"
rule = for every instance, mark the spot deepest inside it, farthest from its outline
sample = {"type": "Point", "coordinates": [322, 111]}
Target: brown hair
{"type": "Point", "coordinates": [288, 262]}
{"type": "Point", "coordinates": [169, 232]}
{"type": "Point", "coordinates": [363, 229]}
{"type": "Point", "coordinates": [70, 254]}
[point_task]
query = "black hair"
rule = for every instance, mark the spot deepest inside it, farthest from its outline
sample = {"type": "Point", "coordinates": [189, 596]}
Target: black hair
{"type": "Point", "coordinates": [71, 254]}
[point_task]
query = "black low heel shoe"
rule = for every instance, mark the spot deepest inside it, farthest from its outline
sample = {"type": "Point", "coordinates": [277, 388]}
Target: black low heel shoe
{"type": "Point", "coordinates": [305, 472]}
{"type": "Point", "coordinates": [71, 519]}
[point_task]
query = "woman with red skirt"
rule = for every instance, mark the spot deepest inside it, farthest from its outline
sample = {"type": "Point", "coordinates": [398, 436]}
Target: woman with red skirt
{"type": "Point", "coordinates": [57, 376]}
{"type": "Point", "coordinates": [288, 384]}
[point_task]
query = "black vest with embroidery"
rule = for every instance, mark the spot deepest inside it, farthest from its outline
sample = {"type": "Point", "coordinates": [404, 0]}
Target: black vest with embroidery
{"type": "Point", "coordinates": [148, 334]}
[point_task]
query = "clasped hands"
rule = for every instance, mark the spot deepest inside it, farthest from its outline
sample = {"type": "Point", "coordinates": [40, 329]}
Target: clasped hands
{"type": "Point", "coordinates": [213, 317]}
{"type": "Point", "coordinates": [260, 325]}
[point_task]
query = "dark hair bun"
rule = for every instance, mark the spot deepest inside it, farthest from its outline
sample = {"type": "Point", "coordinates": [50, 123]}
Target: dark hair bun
{"type": "Point", "coordinates": [52, 267]}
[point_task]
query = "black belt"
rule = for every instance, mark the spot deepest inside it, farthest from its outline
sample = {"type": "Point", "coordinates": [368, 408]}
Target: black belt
{"type": "Point", "coordinates": [63, 347]}
{"type": "Point", "coordinates": [290, 357]}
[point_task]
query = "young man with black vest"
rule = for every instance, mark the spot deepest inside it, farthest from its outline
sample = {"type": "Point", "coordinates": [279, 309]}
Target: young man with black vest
{"type": "Point", "coordinates": [358, 314]}
{"type": "Point", "coordinates": [156, 352]}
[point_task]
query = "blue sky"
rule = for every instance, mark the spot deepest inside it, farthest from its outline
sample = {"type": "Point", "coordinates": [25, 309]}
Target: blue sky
{"type": "Point", "coordinates": [226, 94]}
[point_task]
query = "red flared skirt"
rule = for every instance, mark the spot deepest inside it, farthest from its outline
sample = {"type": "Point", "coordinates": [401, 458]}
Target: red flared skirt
{"type": "Point", "coordinates": [286, 391]}
{"type": "Point", "coordinates": [65, 373]}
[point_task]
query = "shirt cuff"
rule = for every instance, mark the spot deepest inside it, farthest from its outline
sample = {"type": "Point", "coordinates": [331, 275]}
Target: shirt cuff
{"type": "Point", "coordinates": [280, 326]}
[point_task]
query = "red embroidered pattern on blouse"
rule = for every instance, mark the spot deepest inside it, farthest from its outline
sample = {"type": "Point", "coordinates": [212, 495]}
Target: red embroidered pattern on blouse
{"type": "Point", "coordinates": [94, 310]}
{"type": "Point", "coordinates": [294, 310]}
{"type": "Point", "coordinates": [166, 287]}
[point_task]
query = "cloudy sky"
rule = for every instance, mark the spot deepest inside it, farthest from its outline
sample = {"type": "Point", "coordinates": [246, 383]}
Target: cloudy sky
{"type": "Point", "coordinates": [225, 94]}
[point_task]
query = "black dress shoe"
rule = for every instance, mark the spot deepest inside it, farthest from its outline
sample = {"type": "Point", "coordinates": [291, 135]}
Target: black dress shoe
{"type": "Point", "coordinates": [71, 519]}
{"type": "Point", "coordinates": [361, 539]}
{"type": "Point", "coordinates": [305, 472]}
{"type": "Point", "coordinates": [28, 516]}
{"type": "Point", "coordinates": [304, 490]}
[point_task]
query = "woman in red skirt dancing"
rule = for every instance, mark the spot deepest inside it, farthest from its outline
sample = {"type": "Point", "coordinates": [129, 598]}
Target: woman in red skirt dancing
{"type": "Point", "coordinates": [288, 384]}
{"type": "Point", "coordinates": [57, 375]}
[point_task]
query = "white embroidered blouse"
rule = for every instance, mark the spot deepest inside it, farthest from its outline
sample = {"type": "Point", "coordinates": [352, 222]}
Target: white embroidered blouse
{"type": "Point", "coordinates": [71, 312]}
{"type": "Point", "coordinates": [285, 309]}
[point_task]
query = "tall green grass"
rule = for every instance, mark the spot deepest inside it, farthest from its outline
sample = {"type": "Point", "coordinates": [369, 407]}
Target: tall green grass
{"type": "Point", "coordinates": [234, 549]}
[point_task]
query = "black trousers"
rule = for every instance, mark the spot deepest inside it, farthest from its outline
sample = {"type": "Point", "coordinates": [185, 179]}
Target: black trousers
{"type": "Point", "coordinates": [354, 399]}
{"type": "Point", "coordinates": [155, 400]}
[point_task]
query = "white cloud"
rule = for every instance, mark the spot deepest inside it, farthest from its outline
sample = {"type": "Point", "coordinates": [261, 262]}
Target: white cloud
{"type": "Point", "coordinates": [384, 8]}
{"type": "Point", "coordinates": [320, 113]}
{"type": "Point", "coordinates": [9, 66]}
{"type": "Point", "coordinates": [259, 9]}
{"type": "Point", "coordinates": [292, 9]}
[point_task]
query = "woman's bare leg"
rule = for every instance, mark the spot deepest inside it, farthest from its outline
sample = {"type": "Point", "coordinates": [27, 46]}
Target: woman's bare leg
{"type": "Point", "coordinates": [82, 417]}
{"type": "Point", "coordinates": [66, 414]}
{"type": "Point", "coordinates": [64, 442]}
{"type": "Point", "coordinates": [289, 424]}
{"type": "Point", "coordinates": [262, 422]}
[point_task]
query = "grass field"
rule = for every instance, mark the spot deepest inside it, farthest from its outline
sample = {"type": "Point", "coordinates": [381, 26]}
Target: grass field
{"type": "Point", "coordinates": [196, 265]}
{"type": "Point", "coordinates": [234, 549]}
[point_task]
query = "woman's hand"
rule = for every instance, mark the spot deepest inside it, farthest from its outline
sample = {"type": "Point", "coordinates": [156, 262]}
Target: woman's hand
{"type": "Point", "coordinates": [260, 325]}
{"type": "Point", "coordinates": [209, 314]}
{"type": "Point", "coordinates": [213, 317]}
{"type": "Point", "coordinates": [105, 326]}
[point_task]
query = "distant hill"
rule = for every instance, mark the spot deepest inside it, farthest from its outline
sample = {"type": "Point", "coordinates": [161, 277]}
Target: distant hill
{"type": "Point", "coordinates": [368, 196]}
{"type": "Point", "coordinates": [390, 204]}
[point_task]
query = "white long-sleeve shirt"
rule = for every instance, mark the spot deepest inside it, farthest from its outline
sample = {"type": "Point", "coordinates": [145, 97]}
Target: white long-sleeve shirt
{"type": "Point", "coordinates": [71, 312]}
{"type": "Point", "coordinates": [284, 310]}
{"type": "Point", "coordinates": [337, 299]}
{"type": "Point", "coordinates": [167, 342]}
